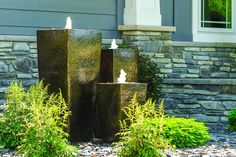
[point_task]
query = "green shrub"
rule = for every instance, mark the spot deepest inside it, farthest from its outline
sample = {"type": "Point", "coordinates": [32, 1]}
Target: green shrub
{"type": "Point", "coordinates": [232, 120]}
{"type": "Point", "coordinates": [139, 135]}
{"type": "Point", "coordinates": [34, 122]}
{"type": "Point", "coordinates": [12, 123]}
{"type": "Point", "coordinates": [185, 133]}
{"type": "Point", "coordinates": [147, 132]}
{"type": "Point", "coordinates": [148, 72]}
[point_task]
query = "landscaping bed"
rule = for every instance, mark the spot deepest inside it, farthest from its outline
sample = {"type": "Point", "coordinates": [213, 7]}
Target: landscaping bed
{"type": "Point", "coordinates": [223, 144]}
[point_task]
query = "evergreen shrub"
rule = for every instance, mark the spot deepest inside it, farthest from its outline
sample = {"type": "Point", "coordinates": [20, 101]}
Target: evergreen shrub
{"type": "Point", "coordinates": [185, 133]}
{"type": "Point", "coordinates": [148, 72]}
{"type": "Point", "coordinates": [232, 120]}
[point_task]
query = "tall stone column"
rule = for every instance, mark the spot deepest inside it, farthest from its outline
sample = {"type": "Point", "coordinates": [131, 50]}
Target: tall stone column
{"type": "Point", "coordinates": [142, 12]}
{"type": "Point", "coordinates": [70, 60]}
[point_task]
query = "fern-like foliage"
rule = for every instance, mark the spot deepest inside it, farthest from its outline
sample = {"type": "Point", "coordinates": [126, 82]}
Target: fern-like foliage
{"type": "Point", "coordinates": [139, 136]}
{"type": "Point", "coordinates": [34, 122]}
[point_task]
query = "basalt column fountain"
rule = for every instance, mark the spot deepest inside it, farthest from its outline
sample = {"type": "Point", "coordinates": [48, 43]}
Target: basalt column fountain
{"type": "Point", "coordinates": [69, 59]}
{"type": "Point", "coordinates": [114, 94]}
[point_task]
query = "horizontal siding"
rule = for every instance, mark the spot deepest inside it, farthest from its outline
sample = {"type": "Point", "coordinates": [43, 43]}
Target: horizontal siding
{"type": "Point", "coordinates": [167, 12]}
{"type": "Point", "coordinates": [178, 13]}
{"type": "Point", "coordinates": [31, 31]}
{"type": "Point", "coordinates": [183, 20]}
{"type": "Point", "coordinates": [52, 19]}
{"type": "Point", "coordinates": [85, 6]}
{"type": "Point", "coordinates": [24, 17]}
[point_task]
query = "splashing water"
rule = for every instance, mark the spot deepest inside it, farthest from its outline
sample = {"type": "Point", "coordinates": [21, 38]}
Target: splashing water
{"type": "Point", "coordinates": [68, 23]}
{"type": "Point", "coordinates": [122, 77]}
{"type": "Point", "coordinates": [113, 44]}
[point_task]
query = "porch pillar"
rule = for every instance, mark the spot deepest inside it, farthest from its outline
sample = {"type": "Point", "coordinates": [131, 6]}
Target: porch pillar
{"type": "Point", "coordinates": [142, 12]}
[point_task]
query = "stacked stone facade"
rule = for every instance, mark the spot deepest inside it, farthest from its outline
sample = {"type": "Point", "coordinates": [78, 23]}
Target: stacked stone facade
{"type": "Point", "coordinates": [196, 60]}
{"type": "Point", "coordinates": [199, 78]}
{"type": "Point", "coordinates": [201, 82]}
{"type": "Point", "coordinates": [18, 61]}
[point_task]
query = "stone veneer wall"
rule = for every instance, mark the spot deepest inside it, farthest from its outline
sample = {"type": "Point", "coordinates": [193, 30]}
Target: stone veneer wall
{"type": "Point", "coordinates": [199, 78]}
{"type": "Point", "coordinates": [18, 61]}
{"type": "Point", "coordinates": [201, 81]}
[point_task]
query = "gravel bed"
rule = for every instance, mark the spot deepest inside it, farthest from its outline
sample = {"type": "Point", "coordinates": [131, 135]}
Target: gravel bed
{"type": "Point", "coordinates": [222, 145]}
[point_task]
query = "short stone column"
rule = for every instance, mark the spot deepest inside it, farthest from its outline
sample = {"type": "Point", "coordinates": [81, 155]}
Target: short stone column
{"type": "Point", "coordinates": [111, 100]}
{"type": "Point", "coordinates": [148, 39]}
{"type": "Point", "coordinates": [112, 61]}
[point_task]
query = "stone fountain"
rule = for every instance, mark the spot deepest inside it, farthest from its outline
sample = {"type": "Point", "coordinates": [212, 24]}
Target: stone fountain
{"type": "Point", "coordinates": [116, 89]}
{"type": "Point", "coordinates": [70, 60]}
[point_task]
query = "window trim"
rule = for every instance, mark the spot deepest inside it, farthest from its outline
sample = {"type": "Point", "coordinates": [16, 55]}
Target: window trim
{"type": "Point", "coordinates": [207, 29]}
{"type": "Point", "coordinates": [211, 34]}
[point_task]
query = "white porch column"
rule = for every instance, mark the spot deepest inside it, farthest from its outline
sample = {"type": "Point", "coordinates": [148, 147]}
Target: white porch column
{"type": "Point", "coordinates": [142, 12]}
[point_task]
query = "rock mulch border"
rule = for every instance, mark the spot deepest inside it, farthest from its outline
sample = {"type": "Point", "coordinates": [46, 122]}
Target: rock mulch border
{"type": "Point", "coordinates": [223, 144]}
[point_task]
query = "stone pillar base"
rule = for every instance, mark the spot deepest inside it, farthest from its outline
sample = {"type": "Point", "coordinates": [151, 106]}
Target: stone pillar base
{"type": "Point", "coordinates": [148, 39]}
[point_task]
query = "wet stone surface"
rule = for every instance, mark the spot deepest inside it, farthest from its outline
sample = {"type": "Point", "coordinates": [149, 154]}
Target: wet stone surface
{"type": "Point", "coordinates": [111, 100]}
{"type": "Point", "coordinates": [221, 145]}
{"type": "Point", "coordinates": [112, 61]}
{"type": "Point", "coordinates": [72, 57]}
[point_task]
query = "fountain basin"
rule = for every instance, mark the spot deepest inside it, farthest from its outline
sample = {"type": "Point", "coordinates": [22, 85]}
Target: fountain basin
{"type": "Point", "coordinates": [70, 60]}
{"type": "Point", "coordinates": [111, 100]}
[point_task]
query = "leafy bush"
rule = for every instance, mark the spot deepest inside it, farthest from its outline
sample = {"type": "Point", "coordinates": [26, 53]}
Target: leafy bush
{"type": "Point", "coordinates": [232, 120]}
{"type": "Point", "coordinates": [185, 133]}
{"type": "Point", "coordinates": [147, 132]}
{"type": "Point", "coordinates": [139, 135]}
{"type": "Point", "coordinates": [34, 122]}
{"type": "Point", "coordinates": [149, 73]}
{"type": "Point", "coordinates": [12, 123]}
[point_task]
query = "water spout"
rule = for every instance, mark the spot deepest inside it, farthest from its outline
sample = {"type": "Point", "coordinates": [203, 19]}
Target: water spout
{"type": "Point", "coordinates": [122, 77]}
{"type": "Point", "coordinates": [113, 44]}
{"type": "Point", "coordinates": [68, 23]}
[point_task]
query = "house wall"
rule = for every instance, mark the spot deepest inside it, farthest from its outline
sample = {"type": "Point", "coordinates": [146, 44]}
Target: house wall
{"type": "Point", "coordinates": [24, 17]}
{"type": "Point", "coordinates": [199, 78]}
{"type": "Point", "coordinates": [200, 81]}
{"type": "Point", "coordinates": [18, 61]}
{"type": "Point", "coordinates": [178, 13]}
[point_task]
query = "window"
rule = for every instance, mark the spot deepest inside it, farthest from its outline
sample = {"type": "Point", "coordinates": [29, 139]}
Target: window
{"type": "Point", "coordinates": [213, 21]}
{"type": "Point", "coordinates": [216, 14]}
